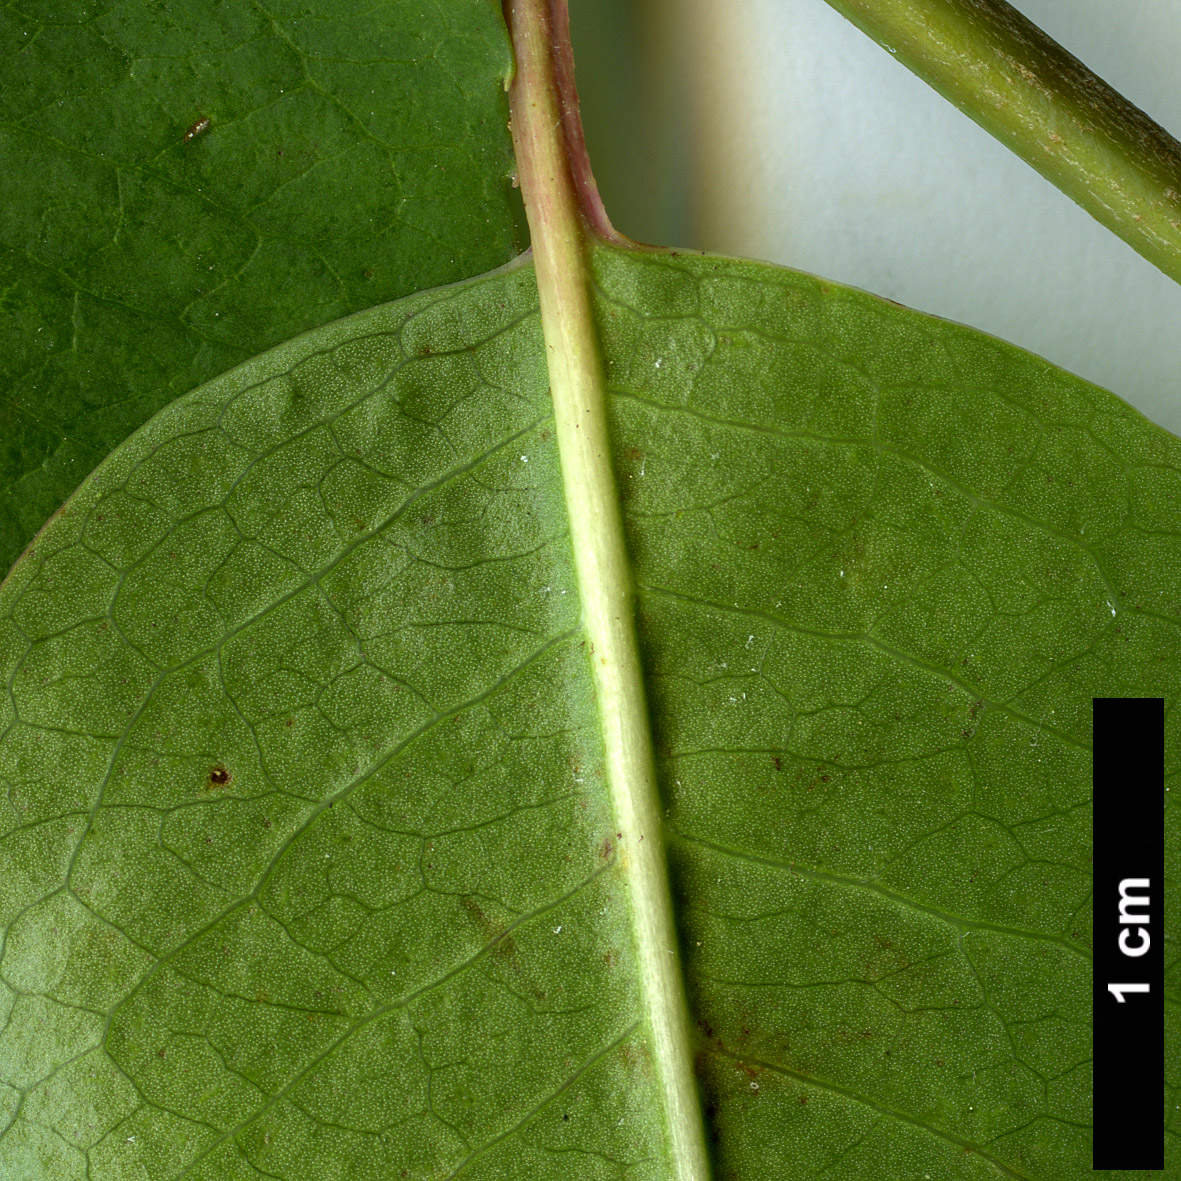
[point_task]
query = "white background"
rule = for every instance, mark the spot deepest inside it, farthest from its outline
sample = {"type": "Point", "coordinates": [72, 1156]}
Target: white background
{"type": "Point", "coordinates": [775, 129]}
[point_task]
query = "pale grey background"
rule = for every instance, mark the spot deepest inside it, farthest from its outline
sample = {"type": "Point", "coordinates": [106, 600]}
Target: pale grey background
{"type": "Point", "coordinates": [774, 129]}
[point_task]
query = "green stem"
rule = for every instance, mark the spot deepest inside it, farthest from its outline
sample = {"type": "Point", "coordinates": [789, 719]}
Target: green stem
{"type": "Point", "coordinates": [561, 206]}
{"type": "Point", "coordinates": [1025, 89]}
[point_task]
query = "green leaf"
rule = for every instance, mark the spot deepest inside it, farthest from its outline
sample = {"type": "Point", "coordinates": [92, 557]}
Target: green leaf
{"type": "Point", "coordinates": [353, 154]}
{"type": "Point", "coordinates": [308, 866]}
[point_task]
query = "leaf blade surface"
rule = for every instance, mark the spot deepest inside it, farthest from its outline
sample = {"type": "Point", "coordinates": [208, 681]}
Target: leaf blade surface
{"type": "Point", "coordinates": [882, 570]}
{"type": "Point", "coordinates": [138, 260]}
{"type": "Point", "coordinates": [403, 903]}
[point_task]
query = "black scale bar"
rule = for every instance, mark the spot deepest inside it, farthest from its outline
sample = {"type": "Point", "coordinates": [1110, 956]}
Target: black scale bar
{"type": "Point", "coordinates": [1129, 1015]}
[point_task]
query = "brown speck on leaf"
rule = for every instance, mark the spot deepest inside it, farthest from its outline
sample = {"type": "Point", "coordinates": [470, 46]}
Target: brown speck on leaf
{"type": "Point", "coordinates": [778, 762]}
{"type": "Point", "coordinates": [198, 128]}
{"type": "Point", "coordinates": [219, 776]}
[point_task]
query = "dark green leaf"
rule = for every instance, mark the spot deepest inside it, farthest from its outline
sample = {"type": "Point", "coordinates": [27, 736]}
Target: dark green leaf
{"type": "Point", "coordinates": [188, 183]}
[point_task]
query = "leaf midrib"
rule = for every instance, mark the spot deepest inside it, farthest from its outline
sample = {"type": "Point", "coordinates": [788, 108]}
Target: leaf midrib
{"type": "Point", "coordinates": [547, 141]}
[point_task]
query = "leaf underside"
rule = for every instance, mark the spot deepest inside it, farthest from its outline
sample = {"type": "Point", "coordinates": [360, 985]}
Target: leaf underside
{"type": "Point", "coordinates": [307, 867]}
{"type": "Point", "coordinates": [187, 184]}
